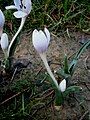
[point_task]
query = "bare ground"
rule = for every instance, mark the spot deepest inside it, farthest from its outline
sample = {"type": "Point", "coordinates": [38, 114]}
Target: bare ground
{"type": "Point", "coordinates": [55, 54]}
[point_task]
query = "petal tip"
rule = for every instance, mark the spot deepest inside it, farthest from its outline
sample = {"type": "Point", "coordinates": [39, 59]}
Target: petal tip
{"type": "Point", "coordinates": [62, 85]}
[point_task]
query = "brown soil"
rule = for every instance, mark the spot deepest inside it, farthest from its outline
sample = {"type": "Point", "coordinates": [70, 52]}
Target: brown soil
{"type": "Point", "coordinates": [55, 53]}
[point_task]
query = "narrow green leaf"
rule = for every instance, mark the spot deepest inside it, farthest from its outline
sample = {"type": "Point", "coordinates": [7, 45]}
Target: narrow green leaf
{"type": "Point", "coordinates": [13, 47]}
{"type": "Point", "coordinates": [61, 72]}
{"type": "Point", "coordinates": [65, 6]}
{"type": "Point", "coordinates": [75, 59]}
{"type": "Point", "coordinates": [72, 66]}
{"type": "Point", "coordinates": [58, 98]}
{"type": "Point", "coordinates": [66, 64]}
{"type": "Point", "coordinates": [7, 64]}
{"type": "Point", "coordinates": [85, 45]}
{"type": "Point", "coordinates": [72, 89]}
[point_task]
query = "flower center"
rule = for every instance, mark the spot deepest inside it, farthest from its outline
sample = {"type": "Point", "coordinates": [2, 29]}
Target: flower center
{"type": "Point", "coordinates": [22, 6]}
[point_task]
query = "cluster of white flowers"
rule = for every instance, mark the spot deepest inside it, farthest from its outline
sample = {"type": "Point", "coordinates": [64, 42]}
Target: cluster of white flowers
{"type": "Point", "coordinates": [23, 8]}
{"type": "Point", "coordinates": [40, 39]}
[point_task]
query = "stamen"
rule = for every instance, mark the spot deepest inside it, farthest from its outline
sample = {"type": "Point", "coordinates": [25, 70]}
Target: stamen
{"type": "Point", "coordinates": [21, 6]}
{"type": "Point", "coordinates": [24, 7]}
{"type": "Point", "coordinates": [21, 3]}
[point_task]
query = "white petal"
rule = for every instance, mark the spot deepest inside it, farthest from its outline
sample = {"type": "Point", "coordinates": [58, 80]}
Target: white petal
{"type": "Point", "coordinates": [34, 35]}
{"type": "Point", "coordinates": [62, 85]}
{"type": "Point", "coordinates": [4, 41]}
{"type": "Point", "coordinates": [35, 39]}
{"type": "Point", "coordinates": [20, 14]}
{"type": "Point", "coordinates": [17, 4]}
{"type": "Point", "coordinates": [28, 6]}
{"type": "Point", "coordinates": [11, 7]}
{"type": "Point", "coordinates": [2, 19]}
{"type": "Point", "coordinates": [39, 41]}
{"type": "Point", "coordinates": [47, 34]}
{"type": "Point", "coordinates": [44, 41]}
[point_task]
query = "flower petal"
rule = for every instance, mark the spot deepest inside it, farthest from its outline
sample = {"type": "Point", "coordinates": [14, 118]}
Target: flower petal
{"type": "Point", "coordinates": [43, 43]}
{"type": "Point", "coordinates": [28, 6]}
{"type": "Point", "coordinates": [35, 39]}
{"type": "Point", "coordinates": [11, 7]}
{"type": "Point", "coordinates": [2, 19]}
{"type": "Point", "coordinates": [4, 41]}
{"type": "Point", "coordinates": [47, 34]}
{"type": "Point", "coordinates": [39, 41]}
{"type": "Point", "coordinates": [20, 14]}
{"type": "Point", "coordinates": [18, 4]}
{"type": "Point", "coordinates": [62, 85]}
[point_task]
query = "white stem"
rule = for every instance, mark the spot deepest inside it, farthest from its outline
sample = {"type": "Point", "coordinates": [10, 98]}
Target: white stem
{"type": "Point", "coordinates": [5, 53]}
{"type": "Point", "coordinates": [20, 28]}
{"type": "Point", "coordinates": [1, 31]}
{"type": "Point", "coordinates": [43, 57]}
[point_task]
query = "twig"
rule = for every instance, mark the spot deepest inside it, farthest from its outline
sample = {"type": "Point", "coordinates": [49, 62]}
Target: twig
{"type": "Point", "coordinates": [12, 78]}
{"type": "Point", "coordinates": [13, 75]}
{"type": "Point", "coordinates": [41, 107]}
{"type": "Point", "coordinates": [47, 91]}
{"type": "Point", "coordinates": [85, 62]}
{"type": "Point", "coordinates": [49, 94]}
{"type": "Point", "coordinates": [39, 71]}
{"type": "Point", "coordinates": [84, 115]}
{"type": "Point", "coordinates": [13, 96]}
{"type": "Point", "coordinates": [86, 86]}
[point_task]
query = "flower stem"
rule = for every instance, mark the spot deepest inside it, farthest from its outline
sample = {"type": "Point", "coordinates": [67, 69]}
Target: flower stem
{"type": "Point", "coordinates": [43, 57]}
{"type": "Point", "coordinates": [5, 53]}
{"type": "Point", "coordinates": [23, 108]}
{"type": "Point", "coordinates": [13, 39]}
{"type": "Point", "coordinates": [59, 99]}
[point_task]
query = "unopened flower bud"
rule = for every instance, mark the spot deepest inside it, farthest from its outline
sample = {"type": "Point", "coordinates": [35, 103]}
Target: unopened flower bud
{"type": "Point", "coordinates": [4, 41]}
{"type": "Point", "coordinates": [62, 85]}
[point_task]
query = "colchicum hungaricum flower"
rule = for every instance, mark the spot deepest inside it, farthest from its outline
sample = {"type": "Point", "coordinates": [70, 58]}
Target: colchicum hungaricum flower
{"type": "Point", "coordinates": [2, 21]}
{"type": "Point", "coordinates": [3, 36]}
{"type": "Point", "coordinates": [23, 8]}
{"type": "Point", "coordinates": [41, 41]}
{"type": "Point", "coordinates": [4, 43]}
{"type": "Point", "coordinates": [62, 85]}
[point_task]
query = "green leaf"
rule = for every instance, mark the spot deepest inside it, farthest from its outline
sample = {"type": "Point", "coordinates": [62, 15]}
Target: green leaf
{"type": "Point", "coordinates": [85, 45]}
{"type": "Point", "coordinates": [66, 64]}
{"type": "Point", "coordinates": [7, 64]}
{"type": "Point", "coordinates": [72, 66]}
{"type": "Point", "coordinates": [65, 6]}
{"type": "Point", "coordinates": [63, 74]}
{"type": "Point", "coordinates": [75, 59]}
{"type": "Point", "coordinates": [58, 98]}
{"type": "Point", "coordinates": [72, 89]}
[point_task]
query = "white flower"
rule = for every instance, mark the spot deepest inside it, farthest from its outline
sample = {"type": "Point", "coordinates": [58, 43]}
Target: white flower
{"type": "Point", "coordinates": [41, 40]}
{"type": "Point", "coordinates": [23, 9]}
{"type": "Point", "coordinates": [2, 21]}
{"type": "Point", "coordinates": [23, 6]}
{"type": "Point", "coordinates": [4, 41]}
{"type": "Point", "coordinates": [62, 85]}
